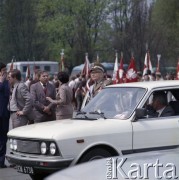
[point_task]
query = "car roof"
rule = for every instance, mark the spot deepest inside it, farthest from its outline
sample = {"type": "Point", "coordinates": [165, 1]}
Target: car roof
{"type": "Point", "coordinates": [149, 84]}
{"type": "Point", "coordinates": [34, 62]}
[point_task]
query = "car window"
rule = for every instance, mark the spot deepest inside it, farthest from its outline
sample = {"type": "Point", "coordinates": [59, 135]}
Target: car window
{"type": "Point", "coordinates": [115, 102]}
{"type": "Point", "coordinates": [171, 104]}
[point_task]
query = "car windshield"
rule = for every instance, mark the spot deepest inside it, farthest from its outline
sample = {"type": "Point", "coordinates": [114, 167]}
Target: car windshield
{"type": "Point", "coordinates": [118, 103]}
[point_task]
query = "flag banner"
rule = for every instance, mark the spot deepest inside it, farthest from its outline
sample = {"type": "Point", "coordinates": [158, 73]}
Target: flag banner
{"type": "Point", "coordinates": [86, 69]}
{"type": "Point", "coordinates": [62, 62]}
{"type": "Point", "coordinates": [27, 75]}
{"type": "Point", "coordinates": [158, 63]}
{"type": "Point", "coordinates": [131, 75]}
{"type": "Point", "coordinates": [115, 77]}
{"type": "Point", "coordinates": [147, 64]}
{"type": "Point", "coordinates": [12, 65]}
{"type": "Point", "coordinates": [177, 74]}
{"type": "Point", "coordinates": [121, 71]}
{"type": "Point", "coordinates": [34, 71]}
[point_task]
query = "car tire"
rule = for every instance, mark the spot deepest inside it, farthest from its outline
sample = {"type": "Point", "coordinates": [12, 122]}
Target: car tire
{"type": "Point", "coordinates": [38, 176]}
{"type": "Point", "coordinates": [94, 154]}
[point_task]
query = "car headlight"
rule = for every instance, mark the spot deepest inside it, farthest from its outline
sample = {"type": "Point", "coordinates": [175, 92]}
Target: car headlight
{"type": "Point", "coordinates": [14, 144]}
{"type": "Point", "coordinates": [10, 144]}
{"type": "Point", "coordinates": [43, 148]}
{"type": "Point", "coordinates": [53, 148]}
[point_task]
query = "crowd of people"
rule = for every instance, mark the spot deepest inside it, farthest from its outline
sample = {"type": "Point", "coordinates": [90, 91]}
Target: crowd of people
{"type": "Point", "coordinates": [45, 98]}
{"type": "Point", "coordinates": [42, 99]}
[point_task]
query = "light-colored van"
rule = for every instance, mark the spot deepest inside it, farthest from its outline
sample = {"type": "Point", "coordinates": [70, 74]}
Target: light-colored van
{"type": "Point", "coordinates": [52, 67]}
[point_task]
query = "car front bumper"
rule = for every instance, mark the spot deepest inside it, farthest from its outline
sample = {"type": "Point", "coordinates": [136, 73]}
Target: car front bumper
{"type": "Point", "coordinates": [40, 164]}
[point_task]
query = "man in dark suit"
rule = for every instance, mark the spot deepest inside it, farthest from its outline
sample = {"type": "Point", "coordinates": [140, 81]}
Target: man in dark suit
{"type": "Point", "coordinates": [21, 102]}
{"type": "Point", "coordinates": [4, 113]}
{"type": "Point", "coordinates": [159, 106]}
{"type": "Point", "coordinates": [43, 109]}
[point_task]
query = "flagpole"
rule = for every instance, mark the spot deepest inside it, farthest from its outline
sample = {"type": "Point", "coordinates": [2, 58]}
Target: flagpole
{"type": "Point", "coordinates": [34, 69]}
{"type": "Point", "coordinates": [97, 58]}
{"type": "Point", "coordinates": [62, 68]}
{"type": "Point", "coordinates": [158, 59]}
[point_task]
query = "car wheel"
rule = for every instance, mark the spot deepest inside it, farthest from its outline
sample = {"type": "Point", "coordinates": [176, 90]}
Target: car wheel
{"type": "Point", "coordinates": [95, 154]}
{"type": "Point", "coordinates": [38, 176]}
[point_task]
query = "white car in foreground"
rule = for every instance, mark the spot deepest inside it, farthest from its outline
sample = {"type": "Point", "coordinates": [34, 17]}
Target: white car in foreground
{"type": "Point", "coordinates": [153, 165]}
{"type": "Point", "coordinates": [113, 123]}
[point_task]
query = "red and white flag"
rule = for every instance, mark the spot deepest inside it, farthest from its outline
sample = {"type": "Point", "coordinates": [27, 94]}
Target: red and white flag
{"type": "Point", "coordinates": [121, 71]}
{"type": "Point", "coordinates": [177, 74]}
{"type": "Point", "coordinates": [27, 75]}
{"type": "Point", "coordinates": [147, 64]}
{"type": "Point", "coordinates": [131, 75]}
{"type": "Point", "coordinates": [115, 77]}
{"type": "Point", "coordinates": [86, 69]}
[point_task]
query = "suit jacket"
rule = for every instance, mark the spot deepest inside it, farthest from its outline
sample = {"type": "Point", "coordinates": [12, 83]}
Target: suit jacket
{"type": "Point", "coordinates": [39, 100]}
{"type": "Point", "coordinates": [64, 101]}
{"type": "Point", "coordinates": [168, 111]}
{"type": "Point", "coordinates": [23, 98]}
{"type": "Point", "coordinates": [4, 98]}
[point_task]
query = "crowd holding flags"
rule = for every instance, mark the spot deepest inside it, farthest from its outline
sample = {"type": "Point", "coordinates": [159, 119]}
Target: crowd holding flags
{"type": "Point", "coordinates": [119, 74]}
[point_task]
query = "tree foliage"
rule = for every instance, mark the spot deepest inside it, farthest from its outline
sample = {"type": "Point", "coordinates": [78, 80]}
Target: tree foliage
{"type": "Point", "coordinates": [41, 29]}
{"type": "Point", "coordinates": [165, 21]}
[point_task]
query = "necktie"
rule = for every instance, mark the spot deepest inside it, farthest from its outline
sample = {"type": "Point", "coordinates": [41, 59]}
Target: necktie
{"type": "Point", "coordinates": [45, 88]}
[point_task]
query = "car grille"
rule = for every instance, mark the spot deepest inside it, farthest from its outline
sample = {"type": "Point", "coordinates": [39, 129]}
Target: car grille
{"type": "Point", "coordinates": [32, 147]}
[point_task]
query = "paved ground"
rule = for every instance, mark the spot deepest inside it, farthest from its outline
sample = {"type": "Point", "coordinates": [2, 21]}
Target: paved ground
{"type": "Point", "coordinates": [11, 173]}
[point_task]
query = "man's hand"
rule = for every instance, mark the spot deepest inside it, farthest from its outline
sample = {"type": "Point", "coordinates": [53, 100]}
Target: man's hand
{"type": "Point", "coordinates": [47, 110]}
{"type": "Point", "coordinates": [3, 76]}
{"type": "Point", "coordinates": [19, 113]}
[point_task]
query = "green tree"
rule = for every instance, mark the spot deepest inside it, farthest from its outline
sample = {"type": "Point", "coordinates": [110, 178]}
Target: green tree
{"type": "Point", "coordinates": [165, 21]}
{"type": "Point", "coordinates": [72, 25]}
{"type": "Point", "coordinates": [19, 35]}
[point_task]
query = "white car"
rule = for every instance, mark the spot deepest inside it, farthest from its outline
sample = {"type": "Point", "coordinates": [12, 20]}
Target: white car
{"type": "Point", "coordinates": [113, 123]}
{"type": "Point", "coordinates": [153, 165]}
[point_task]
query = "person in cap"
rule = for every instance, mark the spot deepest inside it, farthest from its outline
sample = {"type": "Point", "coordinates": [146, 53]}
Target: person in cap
{"type": "Point", "coordinates": [4, 112]}
{"type": "Point", "coordinates": [97, 74]}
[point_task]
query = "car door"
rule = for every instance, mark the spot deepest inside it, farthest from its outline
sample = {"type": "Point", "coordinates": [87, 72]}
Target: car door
{"type": "Point", "coordinates": [155, 133]}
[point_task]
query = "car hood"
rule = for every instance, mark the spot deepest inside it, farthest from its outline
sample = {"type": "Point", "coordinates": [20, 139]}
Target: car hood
{"type": "Point", "coordinates": [64, 129]}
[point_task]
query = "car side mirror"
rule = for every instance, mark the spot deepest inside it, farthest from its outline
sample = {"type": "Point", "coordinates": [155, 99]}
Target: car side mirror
{"type": "Point", "coordinates": [140, 113]}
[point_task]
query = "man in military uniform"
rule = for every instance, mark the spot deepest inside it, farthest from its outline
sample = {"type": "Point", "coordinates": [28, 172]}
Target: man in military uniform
{"type": "Point", "coordinates": [98, 77]}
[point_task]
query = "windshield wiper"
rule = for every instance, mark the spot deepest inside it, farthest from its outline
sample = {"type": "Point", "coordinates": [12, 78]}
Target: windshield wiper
{"type": "Point", "coordinates": [81, 113]}
{"type": "Point", "coordinates": [98, 113]}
